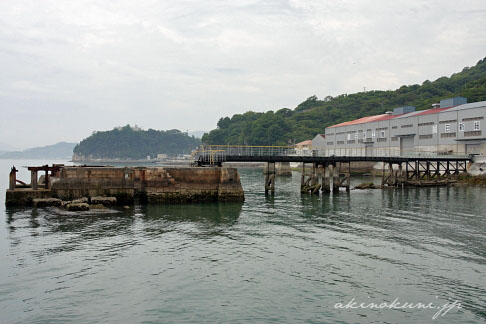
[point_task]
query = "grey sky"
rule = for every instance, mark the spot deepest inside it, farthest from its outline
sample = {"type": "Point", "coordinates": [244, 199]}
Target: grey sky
{"type": "Point", "coordinates": [71, 67]}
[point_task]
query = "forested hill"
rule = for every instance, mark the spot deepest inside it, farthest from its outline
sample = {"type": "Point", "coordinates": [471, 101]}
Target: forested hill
{"type": "Point", "coordinates": [312, 116]}
{"type": "Point", "coordinates": [134, 143]}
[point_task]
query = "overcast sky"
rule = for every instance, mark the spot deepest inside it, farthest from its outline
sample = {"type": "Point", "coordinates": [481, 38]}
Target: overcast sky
{"type": "Point", "coordinates": [71, 67]}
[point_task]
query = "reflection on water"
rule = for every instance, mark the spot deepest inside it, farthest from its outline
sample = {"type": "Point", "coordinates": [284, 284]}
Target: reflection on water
{"type": "Point", "coordinates": [210, 213]}
{"type": "Point", "coordinates": [286, 258]}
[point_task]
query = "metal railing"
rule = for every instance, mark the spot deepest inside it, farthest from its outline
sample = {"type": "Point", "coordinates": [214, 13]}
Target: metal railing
{"type": "Point", "coordinates": [218, 153]}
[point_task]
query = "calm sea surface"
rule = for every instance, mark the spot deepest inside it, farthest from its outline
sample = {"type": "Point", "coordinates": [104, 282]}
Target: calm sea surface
{"type": "Point", "coordinates": [289, 259]}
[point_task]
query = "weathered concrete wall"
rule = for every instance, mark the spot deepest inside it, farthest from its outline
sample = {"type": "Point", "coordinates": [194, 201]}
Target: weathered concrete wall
{"type": "Point", "coordinates": [151, 184]}
{"type": "Point", "coordinates": [25, 197]}
{"type": "Point", "coordinates": [77, 182]}
{"type": "Point", "coordinates": [189, 184]}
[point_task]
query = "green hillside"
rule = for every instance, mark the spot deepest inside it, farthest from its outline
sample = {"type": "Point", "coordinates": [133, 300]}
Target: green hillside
{"type": "Point", "coordinates": [313, 115]}
{"type": "Point", "coordinates": [129, 143]}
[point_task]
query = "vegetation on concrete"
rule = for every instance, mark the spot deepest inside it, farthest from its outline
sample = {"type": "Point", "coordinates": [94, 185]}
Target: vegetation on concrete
{"type": "Point", "coordinates": [312, 116]}
{"type": "Point", "coordinates": [474, 180]}
{"type": "Point", "coordinates": [133, 143]}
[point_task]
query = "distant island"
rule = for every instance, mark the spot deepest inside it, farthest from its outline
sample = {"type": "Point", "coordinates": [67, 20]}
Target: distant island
{"type": "Point", "coordinates": [4, 147]}
{"type": "Point", "coordinates": [133, 143]}
{"type": "Point", "coordinates": [312, 116]}
{"type": "Point", "coordinates": [60, 150]}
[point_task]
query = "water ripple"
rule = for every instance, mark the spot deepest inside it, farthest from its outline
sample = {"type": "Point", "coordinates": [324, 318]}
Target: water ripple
{"type": "Point", "coordinates": [288, 258]}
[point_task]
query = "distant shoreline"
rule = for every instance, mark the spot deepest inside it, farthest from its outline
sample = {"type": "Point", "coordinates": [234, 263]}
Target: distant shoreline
{"type": "Point", "coordinates": [161, 162]}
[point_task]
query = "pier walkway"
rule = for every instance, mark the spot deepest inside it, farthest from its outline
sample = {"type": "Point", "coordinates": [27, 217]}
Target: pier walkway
{"type": "Point", "coordinates": [400, 167]}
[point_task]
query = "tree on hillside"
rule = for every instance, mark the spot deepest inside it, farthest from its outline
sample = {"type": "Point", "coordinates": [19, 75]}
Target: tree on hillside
{"type": "Point", "coordinates": [312, 116]}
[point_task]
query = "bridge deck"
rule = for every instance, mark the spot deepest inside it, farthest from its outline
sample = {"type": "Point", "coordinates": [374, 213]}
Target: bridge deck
{"type": "Point", "coordinates": [220, 153]}
{"type": "Point", "coordinates": [334, 159]}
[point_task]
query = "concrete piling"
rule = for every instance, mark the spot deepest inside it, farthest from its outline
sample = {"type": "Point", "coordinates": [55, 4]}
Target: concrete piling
{"type": "Point", "coordinates": [270, 178]}
{"type": "Point", "coordinates": [283, 169]}
{"type": "Point", "coordinates": [326, 179]}
{"type": "Point", "coordinates": [12, 178]}
{"type": "Point", "coordinates": [33, 180]}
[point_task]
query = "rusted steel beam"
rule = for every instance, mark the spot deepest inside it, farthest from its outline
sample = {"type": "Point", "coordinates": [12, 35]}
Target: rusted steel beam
{"type": "Point", "coordinates": [21, 182]}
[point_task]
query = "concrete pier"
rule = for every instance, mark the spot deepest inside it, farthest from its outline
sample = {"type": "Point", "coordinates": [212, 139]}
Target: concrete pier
{"type": "Point", "coordinates": [152, 185]}
{"type": "Point", "coordinates": [283, 169]}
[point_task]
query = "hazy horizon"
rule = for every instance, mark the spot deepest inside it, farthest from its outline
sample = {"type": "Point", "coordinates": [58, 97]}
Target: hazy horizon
{"type": "Point", "coordinates": [69, 69]}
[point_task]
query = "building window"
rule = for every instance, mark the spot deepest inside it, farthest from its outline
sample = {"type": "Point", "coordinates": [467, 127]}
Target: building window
{"type": "Point", "coordinates": [474, 133]}
{"type": "Point", "coordinates": [477, 125]}
{"type": "Point", "coordinates": [448, 121]}
{"type": "Point", "coordinates": [349, 137]}
{"type": "Point", "coordinates": [434, 129]}
{"type": "Point", "coordinates": [340, 142]}
{"type": "Point", "coordinates": [473, 118]}
{"type": "Point", "coordinates": [381, 140]}
{"type": "Point", "coordinates": [382, 133]}
{"type": "Point", "coordinates": [406, 126]}
{"type": "Point", "coordinates": [443, 135]}
{"type": "Point", "coordinates": [426, 124]}
{"type": "Point", "coordinates": [447, 128]}
{"type": "Point", "coordinates": [330, 143]}
{"type": "Point", "coordinates": [364, 135]}
{"type": "Point", "coordinates": [427, 136]}
{"type": "Point", "coordinates": [394, 127]}
{"type": "Point", "coordinates": [394, 139]}
{"type": "Point", "coordinates": [461, 127]}
{"type": "Point", "coordinates": [373, 134]}
{"type": "Point", "coordinates": [355, 136]}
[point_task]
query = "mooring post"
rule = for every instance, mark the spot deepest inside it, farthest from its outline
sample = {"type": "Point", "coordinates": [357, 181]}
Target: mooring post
{"type": "Point", "coordinates": [326, 180]}
{"type": "Point", "coordinates": [33, 180]}
{"type": "Point", "coordinates": [12, 178]}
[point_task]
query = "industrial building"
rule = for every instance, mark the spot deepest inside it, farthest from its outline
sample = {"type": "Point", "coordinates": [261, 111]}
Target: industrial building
{"type": "Point", "coordinates": [451, 127]}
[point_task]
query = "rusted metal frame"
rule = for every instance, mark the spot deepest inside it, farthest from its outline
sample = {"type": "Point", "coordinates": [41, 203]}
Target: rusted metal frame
{"type": "Point", "coordinates": [410, 170]}
{"type": "Point", "coordinates": [424, 172]}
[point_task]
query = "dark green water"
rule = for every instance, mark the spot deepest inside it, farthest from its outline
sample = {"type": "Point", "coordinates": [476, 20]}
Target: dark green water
{"type": "Point", "coordinates": [286, 259]}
